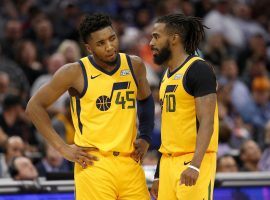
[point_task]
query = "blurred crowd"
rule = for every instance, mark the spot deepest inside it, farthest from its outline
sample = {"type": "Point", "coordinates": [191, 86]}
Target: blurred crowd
{"type": "Point", "coordinates": [38, 37]}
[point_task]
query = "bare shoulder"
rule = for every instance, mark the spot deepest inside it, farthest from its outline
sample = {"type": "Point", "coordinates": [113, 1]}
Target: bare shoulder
{"type": "Point", "coordinates": [137, 64]}
{"type": "Point", "coordinates": [70, 75]}
{"type": "Point", "coordinates": [70, 69]}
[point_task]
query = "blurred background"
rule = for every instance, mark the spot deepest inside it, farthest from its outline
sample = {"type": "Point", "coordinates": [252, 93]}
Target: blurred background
{"type": "Point", "coordinates": [37, 37]}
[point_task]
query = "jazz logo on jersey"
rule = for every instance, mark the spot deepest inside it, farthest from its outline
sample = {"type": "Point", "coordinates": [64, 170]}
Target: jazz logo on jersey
{"type": "Point", "coordinates": [178, 76]}
{"type": "Point", "coordinates": [103, 102]}
{"type": "Point", "coordinates": [169, 98]}
{"type": "Point", "coordinates": [125, 72]}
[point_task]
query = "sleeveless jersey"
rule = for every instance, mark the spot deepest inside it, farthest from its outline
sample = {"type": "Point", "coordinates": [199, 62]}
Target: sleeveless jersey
{"type": "Point", "coordinates": [104, 116]}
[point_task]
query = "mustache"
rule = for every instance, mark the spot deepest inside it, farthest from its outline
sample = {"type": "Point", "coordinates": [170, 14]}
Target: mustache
{"type": "Point", "coordinates": [154, 49]}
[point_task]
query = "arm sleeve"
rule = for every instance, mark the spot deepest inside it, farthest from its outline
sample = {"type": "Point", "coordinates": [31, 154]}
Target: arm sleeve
{"type": "Point", "coordinates": [146, 111]}
{"type": "Point", "coordinates": [200, 79]}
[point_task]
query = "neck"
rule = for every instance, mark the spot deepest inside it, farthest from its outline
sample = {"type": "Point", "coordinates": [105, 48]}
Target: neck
{"type": "Point", "coordinates": [177, 59]}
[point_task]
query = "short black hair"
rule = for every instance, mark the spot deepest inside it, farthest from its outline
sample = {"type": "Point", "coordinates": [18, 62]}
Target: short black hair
{"type": "Point", "coordinates": [92, 23]}
{"type": "Point", "coordinates": [10, 101]}
{"type": "Point", "coordinates": [190, 29]}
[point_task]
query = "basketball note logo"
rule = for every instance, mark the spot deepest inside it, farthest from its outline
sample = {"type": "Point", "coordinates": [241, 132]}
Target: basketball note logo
{"type": "Point", "coordinates": [103, 103]}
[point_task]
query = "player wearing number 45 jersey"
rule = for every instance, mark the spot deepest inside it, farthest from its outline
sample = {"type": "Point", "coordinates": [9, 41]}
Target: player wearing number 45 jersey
{"type": "Point", "coordinates": [189, 121]}
{"type": "Point", "coordinates": [104, 88]}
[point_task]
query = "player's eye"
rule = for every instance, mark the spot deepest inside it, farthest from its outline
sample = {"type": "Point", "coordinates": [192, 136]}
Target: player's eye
{"type": "Point", "coordinates": [112, 38]}
{"type": "Point", "coordinates": [100, 43]}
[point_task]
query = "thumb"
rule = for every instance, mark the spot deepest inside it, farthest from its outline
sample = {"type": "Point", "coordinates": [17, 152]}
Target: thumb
{"type": "Point", "coordinates": [136, 143]}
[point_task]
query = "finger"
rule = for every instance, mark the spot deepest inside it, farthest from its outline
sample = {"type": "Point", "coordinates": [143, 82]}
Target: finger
{"type": "Point", "coordinates": [89, 156]}
{"type": "Point", "coordinates": [191, 181]}
{"type": "Point", "coordinates": [86, 160]}
{"type": "Point", "coordinates": [82, 163]}
{"type": "Point", "coordinates": [182, 180]}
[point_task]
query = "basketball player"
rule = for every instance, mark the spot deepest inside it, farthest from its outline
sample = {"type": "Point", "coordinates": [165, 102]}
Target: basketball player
{"type": "Point", "coordinates": [104, 87]}
{"type": "Point", "coordinates": [189, 129]}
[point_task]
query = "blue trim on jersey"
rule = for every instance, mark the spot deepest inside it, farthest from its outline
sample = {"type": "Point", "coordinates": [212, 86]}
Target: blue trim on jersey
{"type": "Point", "coordinates": [84, 78]}
{"type": "Point", "coordinates": [117, 66]}
{"type": "Point", "coordinates": [131, 69]}
{"type": "Point", "coordinates": [78, 110]}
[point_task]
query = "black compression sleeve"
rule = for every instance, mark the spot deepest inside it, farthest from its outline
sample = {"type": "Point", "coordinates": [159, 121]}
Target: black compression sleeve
{"type": "Point", "coordinates": [200, 79]}
{"type": "Point", "coordinates": [146, 112]}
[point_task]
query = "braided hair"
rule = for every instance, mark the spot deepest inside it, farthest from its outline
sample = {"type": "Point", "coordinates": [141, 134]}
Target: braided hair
{"type": "Point", "coordinates": [190, 29]}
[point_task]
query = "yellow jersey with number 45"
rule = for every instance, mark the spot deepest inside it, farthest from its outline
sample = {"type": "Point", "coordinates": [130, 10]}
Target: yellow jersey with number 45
{"type": "Point", "coordinates": [179, 124]}
{"type": "Point", "coordinates": [104, 116]}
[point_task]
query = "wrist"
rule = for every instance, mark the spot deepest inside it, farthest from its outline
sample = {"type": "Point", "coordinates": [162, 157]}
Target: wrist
{"type": "Point", "coordinates": [146, 138]}
{"type": "Point", "coordinates": [194, 168]}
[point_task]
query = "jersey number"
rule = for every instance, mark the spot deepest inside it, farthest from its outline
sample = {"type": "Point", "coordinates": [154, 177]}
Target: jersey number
{"type": "Point", "coordinates": [122, 100]}
{"type": "Point", "coordinates": [170, 103]}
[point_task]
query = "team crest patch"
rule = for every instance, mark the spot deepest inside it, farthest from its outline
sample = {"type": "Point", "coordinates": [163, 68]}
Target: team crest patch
{"type": "Point", "coordinates": [125, 72]}
{"type": "Point", "coordinates": [178, 76]}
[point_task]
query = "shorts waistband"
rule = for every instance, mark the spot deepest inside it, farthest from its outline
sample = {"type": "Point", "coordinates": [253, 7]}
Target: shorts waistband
{"type": "Point", "coordinates": [175, 154]}
{"type": "Point", "coordinates": [108, 153]}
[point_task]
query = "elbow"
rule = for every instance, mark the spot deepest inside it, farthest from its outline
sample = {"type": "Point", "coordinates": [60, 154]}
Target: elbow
{"type": "Point", "coordinates": [29, 109]}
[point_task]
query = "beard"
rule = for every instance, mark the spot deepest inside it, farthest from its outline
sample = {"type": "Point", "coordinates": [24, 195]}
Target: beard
{"type": "Point", "coordinates": [163, 55]}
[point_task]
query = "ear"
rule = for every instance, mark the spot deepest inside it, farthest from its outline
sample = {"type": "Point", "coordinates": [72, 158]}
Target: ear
{"type": "Point", "coordinates": [88, 48]}
{"type": "Point", "coordinates": [175, 39]}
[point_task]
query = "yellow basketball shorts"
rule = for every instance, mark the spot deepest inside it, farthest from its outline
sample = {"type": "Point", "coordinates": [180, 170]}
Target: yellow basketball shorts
{"type": "Point", "coordinates": [169, 178]}
{"type": "Point", "coordinates": [111, 178]}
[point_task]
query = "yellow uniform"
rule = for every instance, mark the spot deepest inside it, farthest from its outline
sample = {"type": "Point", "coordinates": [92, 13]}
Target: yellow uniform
{"type": "Point", "coordinates": [104, 117]}
{"type": "Point", "coordinates": [178, 135]}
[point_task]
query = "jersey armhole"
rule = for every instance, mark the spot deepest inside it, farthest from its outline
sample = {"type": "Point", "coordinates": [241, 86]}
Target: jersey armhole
{"type": "Point", "coordinates": [131, 69]}
{"type": "Point", "coordinates": [85, 85]}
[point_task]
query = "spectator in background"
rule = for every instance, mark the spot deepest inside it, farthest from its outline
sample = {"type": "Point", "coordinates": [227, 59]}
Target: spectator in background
{"type": "Point", "coordinates": [14, 147]}
{"type": "Point", "coordinates": [12, 109]}
{"type": "Point", "coordinates": [260, 109]}
{"type": "Point", "coordinates": [71, 51]}
{"type": "Point", "coordinates": [217, 49]}
{"type": "Point", "coordinates": [13, 33]}
{"type": "Point", "coordinates": [250, 155]}
{"type": "Point", "coordinates": [13, 120]}
{"type": "Point", "coordinates": [224, 139]}
{"type": "Point", "coordinates": [52, 162]}
{"type": "Point", "coordinates": [219, 20]}
{"type": "Point", "coordinates": [27, 58]}
{"type": "Point", "coordinates": [226, 163]}
{"type": "Point", "coordinates": [256, 50]}
{"type": "Point", "coordinates": [18, 83]}
{"type": "Point", "coordinates": [66, 23]}
{"type": "Point", "coordinates": [254, 69]}
{"type": "Point", "coordinates": [63, 124]}
{"type": "Point", "coordinates": [264, 163]}
{"type": "Point", "coordinates": [240, 95]}
{"type": "Point", "coordinates": [22, 168]}
{"type": "Point", "coordinates": [55, 61]}
{"type": "Point", "coordinates": [4, 87]}
{"type": "Point", "coordinates": [46, 43]}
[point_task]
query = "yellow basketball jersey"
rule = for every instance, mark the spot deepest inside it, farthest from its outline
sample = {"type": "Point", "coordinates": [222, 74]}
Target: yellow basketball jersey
{"type": "Point", "coordinates": [104, 116]}
{"type": "Point", "coordinates": [178, 118]}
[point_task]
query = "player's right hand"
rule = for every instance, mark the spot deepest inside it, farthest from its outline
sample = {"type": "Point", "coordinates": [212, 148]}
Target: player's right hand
{"type": "Point", "coordinates": [78, 154]}
{"type": "Point", "coordinates": [154, 189]}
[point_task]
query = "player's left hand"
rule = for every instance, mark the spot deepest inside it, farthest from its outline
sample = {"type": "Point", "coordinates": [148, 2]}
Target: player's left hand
{"type": "Point", "coordinates": [141, 146]}
{"type": "Point", "coordinates": [189, 177]}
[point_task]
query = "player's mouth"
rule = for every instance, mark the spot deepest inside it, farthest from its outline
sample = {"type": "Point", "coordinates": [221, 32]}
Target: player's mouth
{"type": "Point", "coordinates": [155, 51]}
{"type": "Point", "coordinates": [111, 56]}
